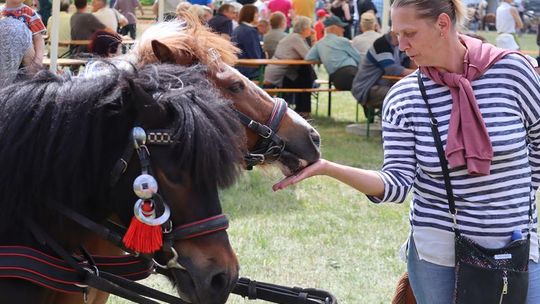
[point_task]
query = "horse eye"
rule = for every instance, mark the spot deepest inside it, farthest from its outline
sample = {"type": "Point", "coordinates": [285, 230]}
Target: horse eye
{"type": "Point", "coordinates": [237, 87]}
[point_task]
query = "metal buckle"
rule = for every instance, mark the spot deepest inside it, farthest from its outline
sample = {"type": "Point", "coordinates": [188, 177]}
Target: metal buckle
{"type": "Point", "coordinates": [268, 133]}
{"type": "Point", "coordinates": [172, 262]}
{"type": "Point", "coordinates": [454, 220]}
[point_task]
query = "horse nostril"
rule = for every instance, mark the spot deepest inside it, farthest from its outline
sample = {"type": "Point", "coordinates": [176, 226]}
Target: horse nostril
{"type": "Point", "coordinates": [219, 282]}
{"type": "Point", "coordinates": [315, 137]}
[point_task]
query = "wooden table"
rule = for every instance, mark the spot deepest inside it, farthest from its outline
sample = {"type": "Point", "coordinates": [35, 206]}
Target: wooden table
{"type": "Point", "coordinates": [87, 42]}
{"type": "Point", "coordinates": [65, 62]}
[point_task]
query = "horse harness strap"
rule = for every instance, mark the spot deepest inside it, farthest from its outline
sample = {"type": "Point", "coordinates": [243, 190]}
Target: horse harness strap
{"type": "Point", "coordinates": [115, 274]}
{"type": "Point", "coordinates": [270, 145]}
{"type": "Point", "coordinates": [73, 274]}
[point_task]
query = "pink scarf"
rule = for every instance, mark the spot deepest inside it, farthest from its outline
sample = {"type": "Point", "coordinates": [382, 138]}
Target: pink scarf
{"type": "Point", "coordinates": [468, 141]}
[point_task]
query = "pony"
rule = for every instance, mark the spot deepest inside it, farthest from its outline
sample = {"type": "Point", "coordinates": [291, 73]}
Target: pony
{"type": "Point", "coordinates": [187, 42]}
{"type": "Point", "coordinates": [61, 141]}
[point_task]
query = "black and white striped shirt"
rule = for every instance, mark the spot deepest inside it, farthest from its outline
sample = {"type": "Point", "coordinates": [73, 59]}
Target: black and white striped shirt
{"type": "Point", "coordinates": [489, 207]}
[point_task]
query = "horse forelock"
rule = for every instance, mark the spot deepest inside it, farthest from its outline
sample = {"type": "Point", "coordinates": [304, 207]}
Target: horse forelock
{"type": "Point", "coordinates": [60, 136]}
{"type": "Point", "coordinates": [187, 36]}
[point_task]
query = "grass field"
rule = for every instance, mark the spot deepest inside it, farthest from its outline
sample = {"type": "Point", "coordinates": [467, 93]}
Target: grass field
{"type": "Point", "coordinates": [320, 233]}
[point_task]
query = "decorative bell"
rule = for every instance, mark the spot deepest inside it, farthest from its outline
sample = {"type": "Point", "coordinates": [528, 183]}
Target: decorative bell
{"type": "Point", "coordinates": [145, 186]}
{"type": "Point", "coordinates": [139, 137]}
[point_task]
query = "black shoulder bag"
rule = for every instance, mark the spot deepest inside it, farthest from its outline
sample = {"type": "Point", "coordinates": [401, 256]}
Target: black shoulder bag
{"type": "Point", "coordinates": [483, 276]}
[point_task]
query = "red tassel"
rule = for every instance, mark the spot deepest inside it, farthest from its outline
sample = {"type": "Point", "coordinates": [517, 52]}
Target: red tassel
{"type": "Point", "coordinates": [141, 237]}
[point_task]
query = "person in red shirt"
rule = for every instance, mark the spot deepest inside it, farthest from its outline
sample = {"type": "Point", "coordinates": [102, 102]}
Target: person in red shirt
{"type": "Point", "coordinates": [319, 26]}
{"type": "Point", "coordinates": [18, 10]}
{"type": "Point", "coordinates": [284, 6]}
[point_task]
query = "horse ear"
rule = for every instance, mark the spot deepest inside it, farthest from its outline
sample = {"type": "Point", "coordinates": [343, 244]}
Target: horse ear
{"type": "Point", "coordinates": [167, 55]}
{"type": "Point", "coordinates": [149, 113]}
{"type": "Point", "coordinates": [162, 52]}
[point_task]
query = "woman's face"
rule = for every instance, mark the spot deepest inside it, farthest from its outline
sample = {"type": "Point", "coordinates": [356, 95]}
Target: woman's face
{"type": "Point", "coordinates": [420, 39]}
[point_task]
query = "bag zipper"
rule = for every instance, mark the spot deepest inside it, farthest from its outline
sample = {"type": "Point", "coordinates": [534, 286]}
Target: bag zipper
{"type": "Point", "coordinates": [505, 286]}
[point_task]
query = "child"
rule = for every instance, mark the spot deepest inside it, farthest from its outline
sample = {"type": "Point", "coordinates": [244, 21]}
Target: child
{"type": "Point", "coordinates": [319, 26]}
{"type": "Point", "coordinates": [18, 10]}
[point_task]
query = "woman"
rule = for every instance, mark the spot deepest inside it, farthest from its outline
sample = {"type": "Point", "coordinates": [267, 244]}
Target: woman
{"type": "Point", "coordinates": [246, 38]}
{"type": "Point", "coordinates": [463, 78]}
{"type": "Point", "coordinates": [294, 46]}
{"type": "Point", "coordinates": [344, 11]}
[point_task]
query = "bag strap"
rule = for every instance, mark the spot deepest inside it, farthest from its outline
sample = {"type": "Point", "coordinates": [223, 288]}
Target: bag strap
{"type": "Point", "coordinates": [444, 163]}
{"type": "Point", "coordinates": [434, 123]}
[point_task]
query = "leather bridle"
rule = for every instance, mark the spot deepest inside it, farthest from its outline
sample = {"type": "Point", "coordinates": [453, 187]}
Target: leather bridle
{"type": "Point", "coordinates": [269, 146]}
{"type": "Point", "coordinates": [139, 140]}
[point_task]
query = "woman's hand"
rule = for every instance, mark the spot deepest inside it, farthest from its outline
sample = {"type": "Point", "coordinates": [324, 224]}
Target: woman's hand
{"type": "Point", "coordinates": [316, 168]}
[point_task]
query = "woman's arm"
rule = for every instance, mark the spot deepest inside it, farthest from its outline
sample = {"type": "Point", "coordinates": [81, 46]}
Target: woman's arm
{"type": "Point", "coordinates": [346, 10]}
{"type": "Point", "coordinates": [365, 181]}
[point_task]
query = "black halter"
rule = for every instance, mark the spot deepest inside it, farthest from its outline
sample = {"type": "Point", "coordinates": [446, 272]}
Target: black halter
{"type": "Point", "coordinates": [269, 147]}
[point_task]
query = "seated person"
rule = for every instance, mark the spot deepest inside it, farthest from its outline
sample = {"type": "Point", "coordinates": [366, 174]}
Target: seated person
{"type": "Point", "coordinates": [105, 44]}
{"type": "Point", "coordinates": [383, 58]}
{"type": "Point", "coordinates": [336, 53]}
{"type": "Point", "coordinates": [202, 12]}
{"type": "Point", "coordinates": [369, 29]}
{"type": "Point", "coordinates": [16, 48]}
{"type": "Point", "coordinates": [246, 38]}
{"type": "Point", "coordinates": [294, 46]}
{"type": "Point", "coordinates": [278, 23]}
{"type": "Point", "coordinates": [263, 27]}
{"type": "Point", "coordinates": [222, 23]}
{"type": "Point", "coordinates": [84, 25]}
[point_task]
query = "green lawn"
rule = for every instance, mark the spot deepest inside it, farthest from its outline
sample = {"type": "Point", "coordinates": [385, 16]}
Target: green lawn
{"type": "Point", "coordinates": [320, 233]}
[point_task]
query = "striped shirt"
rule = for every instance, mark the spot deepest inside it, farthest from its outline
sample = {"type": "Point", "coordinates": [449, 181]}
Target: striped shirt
{"type": "Point", "coordinates": [488, 207]}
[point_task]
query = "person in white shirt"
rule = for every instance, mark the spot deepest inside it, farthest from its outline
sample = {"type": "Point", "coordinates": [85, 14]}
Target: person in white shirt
{"type": "Point", "coordinates": [108, 16]}
{"type": "Point", "coordinates": [507, 24]}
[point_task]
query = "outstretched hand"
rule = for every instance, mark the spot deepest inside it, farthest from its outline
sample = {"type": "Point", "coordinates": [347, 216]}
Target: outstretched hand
{"type": "Point", "coordinates": [314, 169]}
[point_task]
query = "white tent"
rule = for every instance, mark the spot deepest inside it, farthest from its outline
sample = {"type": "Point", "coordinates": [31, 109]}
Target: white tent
{"type": "Point", "coordinates": [53, 35]}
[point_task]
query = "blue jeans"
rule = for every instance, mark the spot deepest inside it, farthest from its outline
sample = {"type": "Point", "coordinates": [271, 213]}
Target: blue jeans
{"type": "Point", "coordinates": [434, 284]}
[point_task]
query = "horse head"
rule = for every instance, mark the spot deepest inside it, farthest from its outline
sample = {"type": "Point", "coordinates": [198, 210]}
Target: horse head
{"type": "Point", "coordinates": [193, 146]}
{"type": "Point", "coordinates": [188, 42]}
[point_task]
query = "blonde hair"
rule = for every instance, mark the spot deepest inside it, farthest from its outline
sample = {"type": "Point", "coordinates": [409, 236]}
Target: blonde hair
{"type": "Point", "coordinates": [431, 9]}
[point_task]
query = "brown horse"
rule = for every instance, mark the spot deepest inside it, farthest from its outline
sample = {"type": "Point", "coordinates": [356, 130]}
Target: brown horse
{"type": "Point", "coordinates": [187, 43]}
